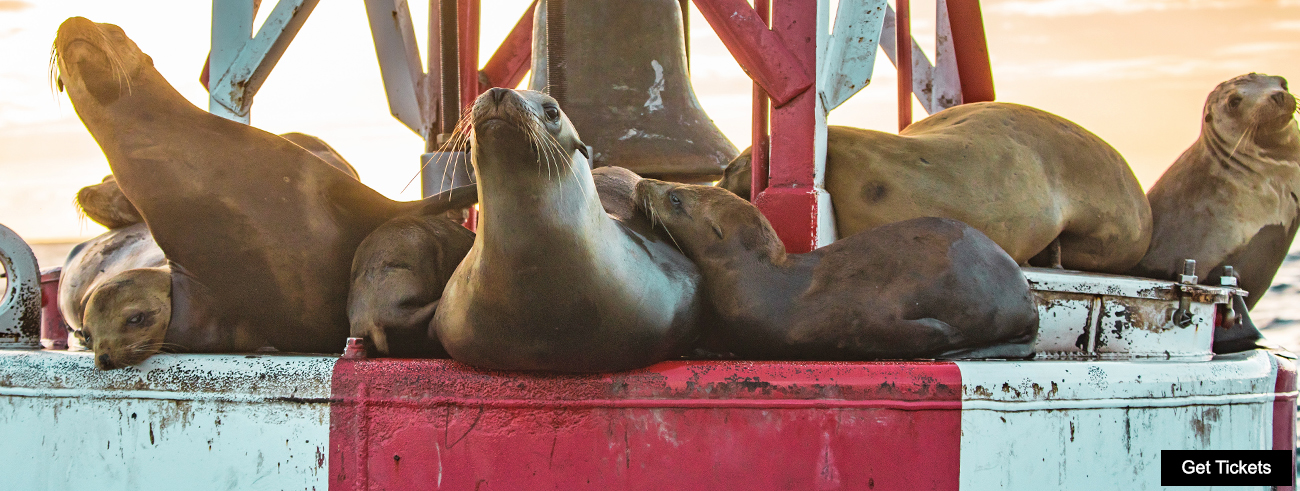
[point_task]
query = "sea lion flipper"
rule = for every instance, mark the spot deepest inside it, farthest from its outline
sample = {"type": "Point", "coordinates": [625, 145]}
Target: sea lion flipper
{"type": "Point", "coordinates": [451, 199]}
{"type": "Point", "coordinates": [1243, 336]}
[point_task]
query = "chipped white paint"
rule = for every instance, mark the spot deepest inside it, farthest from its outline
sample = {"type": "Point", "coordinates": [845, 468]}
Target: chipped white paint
{"type": "Point", "coordinates": [824, 219]}
{"type": "Point", "coordinates": [656, 100]}
{"type": "Point", "coordinates": [850, 50]}
{"type": "Point", "coordinates": [239, 64]}
{"type": "Point", "coordinates": [946, 90]}
{"type": "Point", "coordinates": [174, 422]}
{"type": "Point", "coordinates": [1101, 425]}
{"type": "Point", "coordinates": [20, 301]}
{"type": "Point", "coordinates": [1106, 316]}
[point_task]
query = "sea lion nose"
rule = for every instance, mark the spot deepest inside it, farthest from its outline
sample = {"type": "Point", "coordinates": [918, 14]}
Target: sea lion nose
{"type": "Point", "coordinates": [1279, 97]}
{"type": "Point", "coordinates": [104, 362]}
{"type": "Point", "coordinates": [498, 94]}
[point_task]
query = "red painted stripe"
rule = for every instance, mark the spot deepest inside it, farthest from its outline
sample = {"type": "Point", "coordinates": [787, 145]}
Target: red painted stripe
{"type": "Point", "coordinates": [408, 424]}
{"type": "Point", "coordinates": [1284, 409]}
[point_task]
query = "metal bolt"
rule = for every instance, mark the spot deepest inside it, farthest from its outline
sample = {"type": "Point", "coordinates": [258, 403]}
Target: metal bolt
{"type": "Point", "coordinates": [1189, 272]}
{"type": "Point", "coordinates": [355, 349]}
{"type": "Point", "coordinates": [1229, 277]}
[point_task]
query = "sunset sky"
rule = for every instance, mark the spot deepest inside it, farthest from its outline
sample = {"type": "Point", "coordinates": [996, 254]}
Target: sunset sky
{"type": "Point", "coordinates": [1135, 72]}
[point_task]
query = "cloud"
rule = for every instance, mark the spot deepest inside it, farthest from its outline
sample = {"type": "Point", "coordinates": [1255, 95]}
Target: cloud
{"type": "Point", "coordinates": [1061, 8]}
{"type": "Point", "coordinates": [13, 5]}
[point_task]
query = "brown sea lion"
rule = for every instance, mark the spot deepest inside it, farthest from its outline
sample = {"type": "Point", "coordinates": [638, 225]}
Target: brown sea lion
{"type": "Point", "coordinates": [115, 294]}
{"type": "Point", "coordinates": [319, 148]}
{"type": "Point", "coordinates": [553, 282]}
{"type": "Point", "coordinates": [400, 270]}
{"type": "Point", "coordinates": [919, 288]}
{"type": "Point", "coordinates": [1231, 198]}
{"type": "Point", "coordinates": [398, 274]}
{"type": "Point", "coordinates": [106, 205]}
{"type": "Point", "coordinates": [259, 232]}
{"type": "Point", "coordinates": [1022, 176]}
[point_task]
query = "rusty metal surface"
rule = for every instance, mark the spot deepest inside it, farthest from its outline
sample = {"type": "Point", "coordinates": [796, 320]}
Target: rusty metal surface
{"type": "Point", "coordinates": [20, 302]}
{"type": "Point", "coordinates": [174, 422]}
{"type": "Point", "coordinates": [1088, 315]}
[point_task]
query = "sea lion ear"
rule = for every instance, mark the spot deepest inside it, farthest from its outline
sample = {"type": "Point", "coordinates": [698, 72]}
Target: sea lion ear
{"type": "Point", "coordinates": [716, 229]}
{"type": "Point", "coordinates": [1208, 116]}
{"type": "Point", "coordinates": [148, 60]}
{"type": "Point", "coordinates": [582, 147]}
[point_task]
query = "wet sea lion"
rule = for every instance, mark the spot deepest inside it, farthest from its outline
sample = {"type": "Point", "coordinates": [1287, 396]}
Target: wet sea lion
{"type": "Point", "coordinates": [919, 288]}
{"type": "Point", "coordinates": [259, 232]}
{"type": "Point", "coordinates": [115, 294]}
{"type": "Point", "coordinates": [398, 274]}
{"type": "Point", "coordinates": [1231, 198]}
{"type": "Point", "coordinates": [553, 282]}
{"type": "Point", "coordinates": [1030, 180]}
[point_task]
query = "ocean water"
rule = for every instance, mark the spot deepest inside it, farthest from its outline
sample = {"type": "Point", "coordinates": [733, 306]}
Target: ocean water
{"type": "Point", "coordinates": [1277, 314]}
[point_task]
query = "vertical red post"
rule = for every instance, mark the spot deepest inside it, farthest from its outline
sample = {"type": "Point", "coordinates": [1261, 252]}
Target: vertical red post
{"type": "Point", "coordinates": [759, 142]}
{"type": "Point", "coordinates": [903, 46]}
{"type": "Point", "coordinates": [468, 29]}
{"type": "Point", "coordinates": [790, 200]}
{"type": "Point", "coordinates": [971, 50]}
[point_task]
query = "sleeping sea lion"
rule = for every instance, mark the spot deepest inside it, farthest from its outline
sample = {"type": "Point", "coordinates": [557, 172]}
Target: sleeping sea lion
{"type": "Point", "coordinates": [919, 288]}
{"type": "Point", "coordinates": [553, 282]}
{"type": "Point", "coordinates": [115, 295]}
{"type": "Point", "coordinates": [1035, 183]}
{"type": "Point", "coordinates": [1231, 198]}
{"type": "Point", "coordinates": [258, 231]}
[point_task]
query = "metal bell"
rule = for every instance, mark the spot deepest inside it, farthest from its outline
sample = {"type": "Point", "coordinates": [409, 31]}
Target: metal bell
{"type": "Point", "coordinates": [620, 74]}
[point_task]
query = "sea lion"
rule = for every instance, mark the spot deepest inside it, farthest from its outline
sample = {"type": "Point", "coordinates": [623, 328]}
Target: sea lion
{"type": "Point", "coordinates": [400, 270]}
{"type": "Point", "coordinates": [1231, 198]}
{"type": "Point", "coordinates": [398, 274]}
{"type": "Point", "coordinates": [553, 282]}
{"type": "Point", "coordinates": [106, 205]}
{"type": "Point", "coordinates": [1032, 181]}
{"type": "Point", "coordinates": [319, 148]}
{"type": "Point", "coordinates": [919, 288]}
{"type": "Point", "coordinates": [258, 231]}
{"type": "Point", "coordinates": [115, 295]}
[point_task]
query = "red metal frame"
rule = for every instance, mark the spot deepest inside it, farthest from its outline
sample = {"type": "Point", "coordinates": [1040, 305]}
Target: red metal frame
{"type": "Point", "coordinates": [781, 61]}
{"type": "Point", "coordinates": [903, 43]}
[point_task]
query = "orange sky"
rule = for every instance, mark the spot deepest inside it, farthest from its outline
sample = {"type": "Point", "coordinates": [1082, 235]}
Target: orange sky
{"type": "Point", "coordinates": [1135, 72]}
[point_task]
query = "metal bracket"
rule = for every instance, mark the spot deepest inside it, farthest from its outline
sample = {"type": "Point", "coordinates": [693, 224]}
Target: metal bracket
{"type": "Point", "coordinates": [1183, 316]}
{"type": "Point", "coordinates": [240, 62]}
{"type": "Point", "coordinates": [20, 307]}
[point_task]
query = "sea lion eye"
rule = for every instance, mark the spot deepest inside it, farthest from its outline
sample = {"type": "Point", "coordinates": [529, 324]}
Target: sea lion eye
{"type": "Point", "coordinates": [1284, 85]}
{"type": "Point", "coordinates": [1234, 101]}
{"type": "Point", "coordinates": [552, 113]}
{"type": "Point", "coordinates": [135, 319]}
{"type": "Point", "coordinates": [672, 198]}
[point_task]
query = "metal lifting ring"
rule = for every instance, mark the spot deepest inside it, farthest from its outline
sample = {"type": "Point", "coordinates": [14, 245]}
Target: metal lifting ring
{"type": "Point", "coordinates": [20, 307]}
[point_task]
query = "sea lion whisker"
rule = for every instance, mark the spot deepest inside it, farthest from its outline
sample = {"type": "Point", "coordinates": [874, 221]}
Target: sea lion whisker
{"type": "Point", "coordinates": [1239, 140]}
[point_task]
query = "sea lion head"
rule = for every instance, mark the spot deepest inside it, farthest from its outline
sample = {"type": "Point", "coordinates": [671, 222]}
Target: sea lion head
{"type": "Point", "coordinates": [106, 205]}
{"type": "Point", "coordinates": [96, 62]}
{"type": "Point", "coordinates": [707, 221]}
{"type": "Point", "coordinates": [1253, 106]}
{"type": "Point", "coordinates": [127, 316]}
{"type": "Point", "coordinates": [504, 118]}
